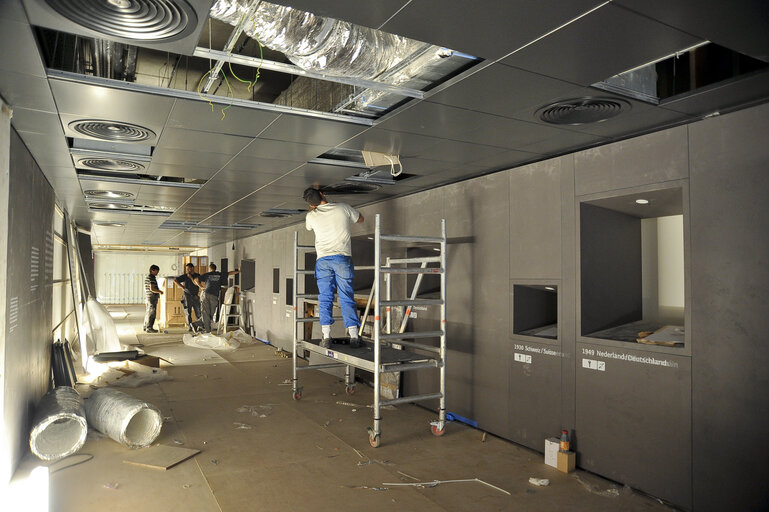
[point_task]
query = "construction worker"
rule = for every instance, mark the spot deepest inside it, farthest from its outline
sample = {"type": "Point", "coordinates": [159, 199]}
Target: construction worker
{"type": "Point", "coordinates": [334, 269]}
{"type": "Point", "coordinates": [151, 295]}
{"type": "Point", "coordinates": [191, 299]}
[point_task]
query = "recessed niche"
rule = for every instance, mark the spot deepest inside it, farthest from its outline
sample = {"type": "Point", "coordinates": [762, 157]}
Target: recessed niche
{"type": "Point", "coordinates": [535, 310]}
{"type": "Point", "coordinates": [632, 271]}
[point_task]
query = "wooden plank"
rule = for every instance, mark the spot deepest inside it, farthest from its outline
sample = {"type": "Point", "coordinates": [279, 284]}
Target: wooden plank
{"type": "Point", "coordinates": [161, 456]}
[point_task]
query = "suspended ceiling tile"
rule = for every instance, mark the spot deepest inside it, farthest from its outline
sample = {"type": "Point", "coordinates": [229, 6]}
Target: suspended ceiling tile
{"type": "Point", "coordinates": [724, 96]}
{"type": "Point", "coordinates": [47, 150]}
{"type": "Point", "coordinates": [164, 193]}
{"type": "Point", "coordinates": [367, 14]}
{"type": "Point", "coordinates": [197, 115]}
{"type": "Point", "coordinates": [390, 142]}
{"type": "Point", "coordinates": [24, 58]}
{"type": "Point", "coordinates": [83, 101]}
{"type": "Point", "coordinates": [26, 91]}
{"type": "Point", "coordinates": [323, 173]}
{"type": "Point", "coordinates": [563, 141]}
{"type": "Point", "coordinates": [176, 138]}
{"type": "Point", "coordinates": [180, 171]}
{"type": "Point", "coordinates": [213, 161]}
{"type": "Point", "coordinates": [37, 121]}
{"type": "Point", "coordinates": [502, 90]}
{"type": "Point", "coordinates": [246, 164]}
{"type": "Point", "coordinates": [505, 160]}
{"type": "Point", "coordinates": [281, 150]}
{"type": "Point", "coordinates": [487, 28]}
{"type": "Point", "coordinates": [742, 25]}
{"type": "Point", "coordinates": [421, 166]}
{"type": "Point", "coordinates": [310, 130]}
{"type": "Point", "coordinates": [459, 152]}
{"type": "Point", "coordinates": [12, 10]}
{"type": "Point", "coordinates": [600, 45]}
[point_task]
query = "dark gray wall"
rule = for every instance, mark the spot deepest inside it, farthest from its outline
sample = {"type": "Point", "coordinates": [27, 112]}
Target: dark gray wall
{"type": "Point", "coordinates": [730, 284]}
{"type": "Point", "coordinates": [28, 294]}
{"type": "Point", "coordinates": [679, 423]}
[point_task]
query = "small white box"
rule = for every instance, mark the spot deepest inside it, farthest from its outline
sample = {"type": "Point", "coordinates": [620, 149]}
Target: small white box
{"type": "Point", "coordinates": [551, 451]}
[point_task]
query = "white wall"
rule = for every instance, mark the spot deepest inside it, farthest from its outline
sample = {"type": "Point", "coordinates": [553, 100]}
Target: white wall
{"type": "Point", "coordinates": [662, 240]}
{"type": "Point", "coordinates": [120, 276]}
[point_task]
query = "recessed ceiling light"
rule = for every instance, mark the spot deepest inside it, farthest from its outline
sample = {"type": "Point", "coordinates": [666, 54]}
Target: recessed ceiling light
{"type": "Point", "coordinates": [642, 201]}
{"type": "Point", "coordinates": [550, 288]}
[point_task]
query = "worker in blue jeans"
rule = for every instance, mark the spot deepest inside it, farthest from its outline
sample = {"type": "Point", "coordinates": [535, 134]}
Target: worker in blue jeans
{"type": "Point", "coordinates": [334, 269]}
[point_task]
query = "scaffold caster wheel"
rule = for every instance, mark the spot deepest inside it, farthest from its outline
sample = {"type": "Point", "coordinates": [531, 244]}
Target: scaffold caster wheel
{"type": "Point", "coordinates": [297, 395]}
{"type": "Point", "coordinates": [373, 440]}
{"type": "Point", "coordinates": [350, 389]}
{"type": "Point", "coordinates": [436, 432]}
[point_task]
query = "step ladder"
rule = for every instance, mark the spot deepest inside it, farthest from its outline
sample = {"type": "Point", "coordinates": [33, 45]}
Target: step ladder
{"type": "Point", "coordinates": [226, 312]}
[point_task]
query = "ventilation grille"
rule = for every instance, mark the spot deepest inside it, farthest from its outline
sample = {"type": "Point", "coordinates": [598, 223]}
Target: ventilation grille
{"type": "Point", "coordinates": [112, 130]}
{"type": "Point", "coordinates": [107, 194]}
{"type": "Point", "coordinates": [349, 188]}
{"type": "Point", "coordinates": [582, 111]}
{"type": "Point", "coordinates": [280, 212]}
{"type": "Point", "coordinates": [142, 20]}
{"type": "Point", "coordinates": [110, 164]}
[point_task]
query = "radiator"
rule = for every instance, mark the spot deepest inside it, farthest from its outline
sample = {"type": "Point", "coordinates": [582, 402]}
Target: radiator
{"type": "Point", "coordinates": [120, 288]}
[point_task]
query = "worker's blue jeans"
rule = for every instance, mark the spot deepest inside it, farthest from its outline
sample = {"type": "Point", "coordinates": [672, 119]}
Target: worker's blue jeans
{"type": "Point", "coordinates": [335, 274]}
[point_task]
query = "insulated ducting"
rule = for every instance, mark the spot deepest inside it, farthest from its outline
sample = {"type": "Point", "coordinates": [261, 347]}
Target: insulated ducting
{"type": "Point", "coordinates": [59, 425]}
{"type": "Point", "coordinates": [128, 421]}
{"type": "Point", "coordinates": [315, 43]}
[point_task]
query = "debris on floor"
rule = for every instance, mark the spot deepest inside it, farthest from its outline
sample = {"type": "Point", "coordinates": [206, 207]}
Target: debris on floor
{"type": "Point", "coordinates": [242, 426]}
{"type": "Point", "coordinates": [611, 492]}
{"type": "Point", "coordinates": [375, 461]}
{"type": "Point", "coordinates": [542, 482]}
{"type": "Point", "coordinates": [111, 485]}
{"type": "Point", "coordinates": [160, 456]}
{"type": "Point", "coordinates": [435, 483]}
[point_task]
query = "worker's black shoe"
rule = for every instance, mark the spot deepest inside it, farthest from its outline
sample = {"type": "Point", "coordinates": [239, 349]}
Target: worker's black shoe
{"type": "Point", "coordinates": [150, 330]}
{"type": "Point", "coordinates": [325, 343]}
{"type": "Point", "coordinates": [356, 342]}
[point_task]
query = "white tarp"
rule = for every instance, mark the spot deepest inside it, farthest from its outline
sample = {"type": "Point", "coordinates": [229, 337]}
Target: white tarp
{"type": "Point", "coordinates": [228, 341]}
{"type": "Point", "coordinates": [101, 328]}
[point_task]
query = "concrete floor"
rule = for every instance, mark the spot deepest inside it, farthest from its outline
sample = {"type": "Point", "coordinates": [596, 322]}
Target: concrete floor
{"type": "Point", "coordinates": [310, 455]}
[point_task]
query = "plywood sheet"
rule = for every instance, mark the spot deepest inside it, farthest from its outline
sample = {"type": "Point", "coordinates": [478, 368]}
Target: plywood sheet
{"type": "Point", "coordinates": [161, 456]}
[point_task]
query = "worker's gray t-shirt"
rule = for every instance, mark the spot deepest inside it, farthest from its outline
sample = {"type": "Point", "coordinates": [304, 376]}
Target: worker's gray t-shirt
{"type": "Point", "coordinates": [331, 223]}
{"type": "Point", "coordinates": [213, 281]}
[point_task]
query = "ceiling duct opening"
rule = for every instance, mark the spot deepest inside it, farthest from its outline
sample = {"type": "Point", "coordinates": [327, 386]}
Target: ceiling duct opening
{"type": "Point", "coordinates": [582, 111]}
{"type": "Point", "coordinates": [112, 130]}
{"type": "Point", "coordinates": [281, 212]}
{"type": "Point", "coordinates": [682, 73]}
{"type": "Point", "coordinates": [110, 165]}
{"type": "Point", "coordinates": [109, 195]}
{"type": "Point", "coordinates": [349, 188]}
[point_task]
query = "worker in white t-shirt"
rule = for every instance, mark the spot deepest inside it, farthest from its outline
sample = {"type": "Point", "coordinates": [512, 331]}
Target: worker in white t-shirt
{"type": "Point", "coordinates": [333, 268]}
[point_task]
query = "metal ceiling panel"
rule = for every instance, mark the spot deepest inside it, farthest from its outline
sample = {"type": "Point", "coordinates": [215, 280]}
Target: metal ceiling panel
{"type": "Point", "coordinates": [13, 10]}
{"type": "Point", "coordinates": [197, 115]}
{"type": "Point", "coordinates": [53, 172]}
{"type": "Point", "coordinates": [26, 91]}
{"type": "Point", "coordinates": [487, 28]}
{"type": "Point", "coordinates": [166, 196]}
{"type": "Point", "coordinates": [506, 160]}
{"type": "Point", "coordinates": [321, 132]}
{"type": "Point", "coordinates": [213, 161]}
{"type": "Point", "coordinates": [421, 166]}
{"type": "Point", "coordinates": [180, 171]}
{"type": "Point", "coordinates": [47, 150]}
{"type": "Point", "coordinates": [563, 141]}
{"type": "Point", "coordinates": [368, 14]}
{"type": "Point", "coordinates": [501, 90]}
{"type": "Point", "coordinates": [82, 101]}
{"type": "Point", "coordinates": [407, 145]}
{"type": "Point", "coordinates": [24, 58]}
{"type": "Point", "coordinates": [246, 165]}
{"type": "Point", "coordinates": [742, 25]}
{"type": "Point", "coordinates": [105, 24]}
{"type": "Point", "coordinates": [724, 96]}
{"type": "Point", "coordinates": [115, 187]}
{"type": "Point", "coordinates": [600, 45]}
{"type": "Point", "coordinates": [36, 121]}
{"type": "Point", "coordinates": [323, 173]}
{"type": "Point", "coordinates": [175, 138]}
{"type": "Point", "coordinates": [459, 152]}
{"type": "Point", "coordinates": [281, 150]}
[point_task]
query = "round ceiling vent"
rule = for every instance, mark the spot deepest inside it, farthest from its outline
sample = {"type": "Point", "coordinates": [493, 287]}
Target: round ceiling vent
{"type": "Point", "coordinates": [110, 164]}
{"type": "Point", "coordinates": [112, 130]}
{"type": "Point", "coordinates": [145, 20]}
{"type": "Point", "coordinates": [582, 111]}
{"type": "Point", "coordinates": [107, 194]}
{"type": "Point", "coordinates": [349, 188]}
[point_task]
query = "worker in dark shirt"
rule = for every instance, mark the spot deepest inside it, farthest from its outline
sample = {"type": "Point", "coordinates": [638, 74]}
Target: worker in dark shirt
{"type": "Point", "coordinates": [191, 300]}
{"type": "Point", "coordinates": [211, 282]}
{"type": "Point", "coordinates": [151, 295]}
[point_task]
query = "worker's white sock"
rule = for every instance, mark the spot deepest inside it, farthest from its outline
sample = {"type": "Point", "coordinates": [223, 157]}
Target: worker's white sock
{"type": "Point", "coordinates": [326, 330]}
{"type": "Point", "coordinates": [353, 331]}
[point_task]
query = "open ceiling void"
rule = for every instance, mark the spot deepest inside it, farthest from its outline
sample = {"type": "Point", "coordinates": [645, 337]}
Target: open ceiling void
{"type": "Point", "coordinates": [192, 122]}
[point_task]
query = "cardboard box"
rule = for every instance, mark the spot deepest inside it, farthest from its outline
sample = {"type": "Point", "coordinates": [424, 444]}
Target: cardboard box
{"type": "Point", "coordinates": [551, 451]}
{"type": "Point", "coordinates": [567, 461]}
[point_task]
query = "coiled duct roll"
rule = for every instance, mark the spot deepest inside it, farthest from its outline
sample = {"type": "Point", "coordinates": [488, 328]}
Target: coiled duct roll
{"type": "Point", "coordinates": [125, 419]}
{"type": "Point", "coordinates": [59, 425]}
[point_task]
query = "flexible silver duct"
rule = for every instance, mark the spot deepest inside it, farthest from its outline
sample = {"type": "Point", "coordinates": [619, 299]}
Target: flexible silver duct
{"type": "Point", "coordinates": [325, 45]}
{"type": "Point", "coordinates": [128, 421]}
{"type": "Point", "coordinates": [59, 425]}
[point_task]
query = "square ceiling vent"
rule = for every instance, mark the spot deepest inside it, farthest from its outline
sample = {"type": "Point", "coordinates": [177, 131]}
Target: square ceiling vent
{"type": "Point", "coordinates": [167, 25]}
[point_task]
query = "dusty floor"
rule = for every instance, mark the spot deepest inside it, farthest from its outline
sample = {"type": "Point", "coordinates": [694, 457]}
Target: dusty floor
{"type": "Point", "coordinates": [310, 455]}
